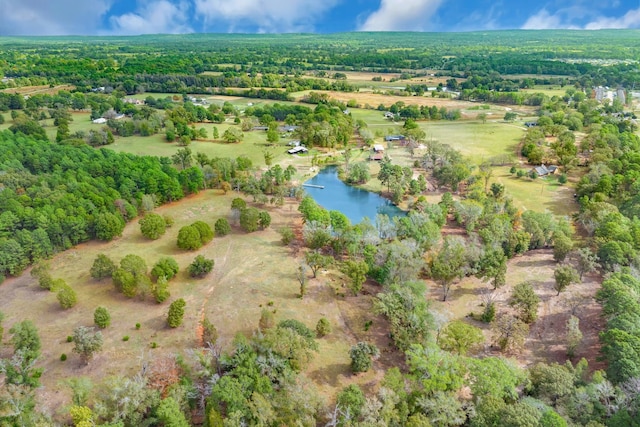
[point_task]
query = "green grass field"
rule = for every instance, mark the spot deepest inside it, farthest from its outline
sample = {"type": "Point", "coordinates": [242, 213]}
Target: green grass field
{"type": "Point", "coordinates": [476, 140]}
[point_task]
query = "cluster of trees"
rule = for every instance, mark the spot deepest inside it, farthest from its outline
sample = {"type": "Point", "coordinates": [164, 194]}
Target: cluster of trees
{"type": "Point", "coordinates": [132, 278]}
{"type": "Point", "coordinates": [56, 196]}
{"type": "Point", "coordinates": [421, 112]}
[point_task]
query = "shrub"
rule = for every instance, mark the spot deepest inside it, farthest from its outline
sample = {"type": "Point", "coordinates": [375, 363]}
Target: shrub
{"type": "Point", "coordinates": [206, 233]}
{"type": "Point", "coordinates": [166, 267]}
{"type": "Point", "coordinates": [562, 179]}
{"type": "Point", "coordinates": [161, 290]}
{"type": "Point", "coordinates": [66, 296]}
{"type": "Point", "coordinates": [267, 320]}
{"type": "Point", "coordinates": [176, 313]}
{"type": "Point", "coordinates": [200, 266]}
{"type": "Point", "coordinates": [124, 282]}
{"type": "Point", "coordinates": [154, 344]}
{"type": "Point", "coordinates": [152, 226]}
{"type": "Point", "coordinates": [168, 221]}
{"type": "Point", "coordinates": [63, 357]}
{"type": "Point", "coordinates": [249, 219]}
{"type": "Point", "coordinates": [101, 317]}
{"type": "Point", "coordinates": [209, 332]}
{"type": "Point", "coordinates": [69, 338]}
{"type": "Point", "coordinates": [102, 267]}
{"type": "Point", "coordinates": [287, 235]}
{"type": "Point", "coordinates": [189, 238]}
{"type": "Point", "coordinates": [323, 327]}
{"type": "Point", "coordinates": [264, 219]}
{"type": "Point", "coordinates": [138, 326]}
{"type": "Point", "coordinates": [125, 338]}
{"type": "Point", "coordinates": [362, 355]}
{"type": "Point", "coordinates": [222, 227]}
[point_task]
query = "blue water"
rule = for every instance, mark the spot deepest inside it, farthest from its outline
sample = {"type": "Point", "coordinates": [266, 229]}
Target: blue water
{"type": "Point", "coordinates": [354, 202]}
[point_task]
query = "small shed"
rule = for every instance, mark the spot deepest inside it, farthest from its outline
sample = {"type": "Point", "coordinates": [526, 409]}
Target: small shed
{"type": "Point", "coordinates": [377, 156]}
{"type": "Point", "coordinates": [298, 149]}
{"type": "Point", "coordinates": [100, 121]}
{"type": "Point", "coordinates": [378, 148]}
{"type": "Point", "coordinates": [392, 138]}
{"type": "Point", "coordinates": [543, 170]}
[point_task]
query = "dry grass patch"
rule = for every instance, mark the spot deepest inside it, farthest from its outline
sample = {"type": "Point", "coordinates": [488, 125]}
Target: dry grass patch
{"type": "Point", "coordinates": [252, 272]}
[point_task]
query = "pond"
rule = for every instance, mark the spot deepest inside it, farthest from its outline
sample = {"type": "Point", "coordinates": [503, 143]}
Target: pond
{"type": "Point", "coordinates": [354, 202]}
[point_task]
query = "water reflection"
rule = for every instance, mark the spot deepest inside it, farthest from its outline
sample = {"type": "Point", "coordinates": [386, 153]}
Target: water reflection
{"type": "Point", "coordinates": [354, 202]}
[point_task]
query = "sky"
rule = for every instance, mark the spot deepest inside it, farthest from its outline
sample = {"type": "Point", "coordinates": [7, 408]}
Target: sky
{"type": "Point", "coordinates": [131, 17]}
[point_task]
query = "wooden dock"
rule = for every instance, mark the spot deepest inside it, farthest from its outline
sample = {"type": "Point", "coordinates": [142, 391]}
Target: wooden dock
{"type": "Point", "coordinates": [314, 186]}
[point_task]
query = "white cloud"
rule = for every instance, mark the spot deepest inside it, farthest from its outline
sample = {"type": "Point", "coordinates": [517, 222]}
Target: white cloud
{"type": "Point", "coordinates": [51, 17]}
{"type": "Point", "coordinates": [268, 15]}
{"type": "Point", "coordinates": [578, 17]}
{"type": "Point", "coordinates": [401, 15]}
{"type": "Point", "coordinates": [154, 17]}
{"type": "Point", "coordinates": [542, 20]}
{"type": "Point", "coordinates": [631, 19]}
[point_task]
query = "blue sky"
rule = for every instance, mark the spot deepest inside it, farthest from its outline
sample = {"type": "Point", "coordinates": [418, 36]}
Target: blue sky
{"type": "Point", "coordinates": [61, 17]}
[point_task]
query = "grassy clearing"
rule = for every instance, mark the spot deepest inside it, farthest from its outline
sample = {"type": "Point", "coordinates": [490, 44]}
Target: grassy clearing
{"type": "Point", "coordinates": [549, 90]}
{"type": "Point", "coordinates": [546, 340]}
{"type": "Point", "coordinates": [252, 271]}
{"type": "Point", "coordinates": [474, 139]}
{"type": "Point", "coordinates": [542, 194]}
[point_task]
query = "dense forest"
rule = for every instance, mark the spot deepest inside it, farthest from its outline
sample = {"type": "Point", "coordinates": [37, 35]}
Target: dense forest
{"type": "Point", "coordinates": [176, 63]}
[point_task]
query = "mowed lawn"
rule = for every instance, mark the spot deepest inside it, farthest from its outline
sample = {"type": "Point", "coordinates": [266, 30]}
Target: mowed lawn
{"type": "Point", "coordinates": [252, 272]}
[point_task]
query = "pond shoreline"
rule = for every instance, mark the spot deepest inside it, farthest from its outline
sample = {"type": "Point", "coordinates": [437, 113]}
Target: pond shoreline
{"type": "Point", "coordinates": [356, 203]}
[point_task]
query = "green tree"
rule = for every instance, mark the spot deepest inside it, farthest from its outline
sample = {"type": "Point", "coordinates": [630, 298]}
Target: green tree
{"type": "Point", "coordinates": [182, 158]}
{"type": "Point", "coordinates": [493, 266]}
{"type": "Point", "coordinates": [323, 327]}
{"type": "Point", "coordinates": [586, 261]}
{"type": "Point", "coordinates": [448, 264]}
{"type": "Point", "coordinates": [564, 276]}
{"type": "Point", "coordinates": [510, 116]}
{"type": "Point", "coordinates": [152, 226]}
{"type": "Point", "coordinates": [66, 296]}
{"type": "Point", "coordinates": [316, 261]}
{"type": "Point", "coordinates": [232, 135]}
{"type": "Point", "coordinates": [209, 332]}
{"type": "Point", "coordinates": [102, 267]}
{"type": "Point", "coordinates": [574, 335]}
{"type": "Point", "coordinates": [264, 219]}
{"type": "Point", "coordinates": [350, 401]}
{"type": "Point", "coordinates": [205, 231]}
{"type": "Point", "coordinates": [19, 370]}
{"type": "Point", "coordinates": [459, 337]}
{"type": "Point", "coordinates": [525, 300]}
{"type": "Point", "coordinates": [167, 267]}
{"type": "Point", "coordinates": [301, 275]}
{"type": "Point", "coordinates": [249, 219]}
{"type": "Point", "coordinates": [161, 290]}
{"type": "Point", "coordinates": [41, 272]}
{"type": "Point", "coordinates": [170, 415]}
{"type": "Point", "coordinates": [101, 317]}
{"type": "Point", "coordinates": [511, 332]}
{"type": "Point", "coordinates": [267, 320]}
{"type": "Point", "coordinates": [287, 235]}
{"type": "Point", "coordinates": [356, 271]}
{"type": "Point", "coordinates": [362, 355]}
{"type": "Point", "coordinates": [200, 266]}
{"type": "Point", "coordinates": [189, 238]}
{"type": "Point", "coordinates": [176, 313]}
{"type": "Point", "coordinates": [125, 282]}
{"type": "Point", "coordinates": [562, 245]}
{"type": "Point", "coordinates": [86, 342]}
{"type": "Point", "coordinates": [222, 227]}
{"type": "Point", "coordinates": [108, 225]}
